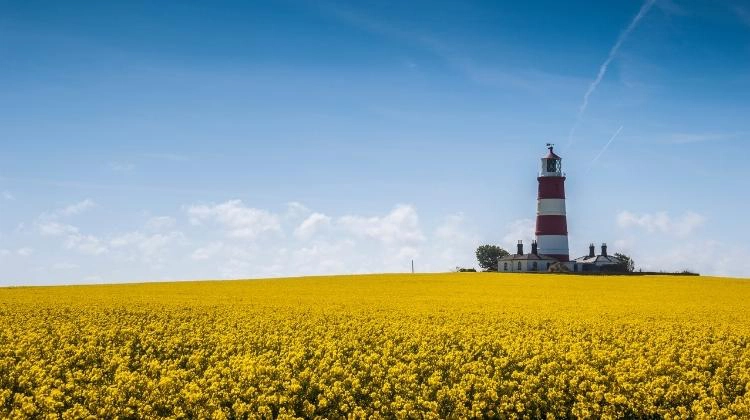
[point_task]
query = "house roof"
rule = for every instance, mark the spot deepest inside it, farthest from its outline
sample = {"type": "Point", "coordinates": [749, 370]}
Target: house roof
{"type": "Point", "coordinates": [608, 259]}
{"type": "Point", "coordinates": [522, 257]}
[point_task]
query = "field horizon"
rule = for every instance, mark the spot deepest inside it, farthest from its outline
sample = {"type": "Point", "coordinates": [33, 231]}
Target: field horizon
{"type": "Point", "coordinates": [104, 282]}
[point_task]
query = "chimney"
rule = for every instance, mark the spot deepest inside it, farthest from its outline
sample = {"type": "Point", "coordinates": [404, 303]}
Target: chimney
{"type": "Point", "coordinates": [592, 252]}
{"type": "Point", "coordinates": [534, 248]}
{"type": "Point", "coordinates": [520, 247]}
{"type": "Point", "coordinates": [604, 250]}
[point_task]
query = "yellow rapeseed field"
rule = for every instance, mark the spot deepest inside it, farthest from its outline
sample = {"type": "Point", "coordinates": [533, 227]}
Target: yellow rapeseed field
{"type": "Point", "coordinates": [381, 346]}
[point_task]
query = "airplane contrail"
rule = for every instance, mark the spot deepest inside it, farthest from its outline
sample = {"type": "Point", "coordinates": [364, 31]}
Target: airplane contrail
{"type": "Point", "coordinates": [606, 146]}
{"type": "Point", "coordinates": [603, 68]}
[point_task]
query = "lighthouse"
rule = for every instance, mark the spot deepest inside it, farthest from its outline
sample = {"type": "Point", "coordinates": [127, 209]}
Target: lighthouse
{"type": "Point", "coordinates": [551, 222]}
{"type": "Point", "coordinates": [549, 252]}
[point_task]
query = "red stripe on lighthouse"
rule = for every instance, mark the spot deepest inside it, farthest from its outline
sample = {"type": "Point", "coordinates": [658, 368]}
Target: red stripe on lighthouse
{"type": "Point", "coordinates": [551, 225]}
{"type": "Point", "coordinates": [551, 187]}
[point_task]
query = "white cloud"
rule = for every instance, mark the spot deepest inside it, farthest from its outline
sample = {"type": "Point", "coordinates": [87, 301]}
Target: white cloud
{"type": "Point", "coordinates": [407, 252]}
{"type": "Point", "coordinates": [241, 259]}
{"type": "Point", "coordinates": [25, 252]}
{"type": "Point", "coordinates": [624, 244]}
{"type": "Point", "coordinates": [208, 251]}
{"type": "Point", "coordinates": [322, 244]}
{"type": "Point", "coordinates": [314, 223]}
{"type": "Point", "coordinates": [401, 225]}
{"type": "Point", "coordinates": [661, 222]}
{"type": "Point", "coordinates": [77, 208]}
{"type": "Point", "coordinates": [85, 244]}
{"type": "Point", "coordinates": [48, 225]}
{"type": "Point", "coordinates": [453, 244]}
{"type": "Point", "coordinates": [148, 247]}
{"type": "Point", "coordinates": [54, 228]}
{"type": "Point", "coordinates": [689, 251]}
{"type": "Point", "coordinates": [700, 256]}
{"type": "Point", "coordinates": [296, 210]}
{"type": "Point", "coordinates": [324, 257]}
{"type": "Point", "coordinates": [126, 239]}
{"type": "Point", "coordinates": [8, 196]}
{"type": "Point", "coordinates": [238, 220]}
{"type": "Point", "coordinates": [4, 252]}
{"type": "Point", "coordinates": [452, 228]}
{"type": "Point", "coordinates": [317, 243]}
{"type": "Point", "coordinates": [160, 223]}
{"type": "Point", "coordinates": [521, 229]}
{"type": "Point", "coordinates": [153, 244]}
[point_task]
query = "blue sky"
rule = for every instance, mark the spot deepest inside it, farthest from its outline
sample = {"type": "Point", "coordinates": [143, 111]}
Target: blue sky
{"type": "Point", "coordinates": [180, 140]}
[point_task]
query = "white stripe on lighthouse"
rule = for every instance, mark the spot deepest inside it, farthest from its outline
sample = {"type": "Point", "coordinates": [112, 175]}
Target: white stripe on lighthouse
{"type": "Point", "coordinates": [550, 207]}
{"type": "Point", "coordinates": [552, 244]}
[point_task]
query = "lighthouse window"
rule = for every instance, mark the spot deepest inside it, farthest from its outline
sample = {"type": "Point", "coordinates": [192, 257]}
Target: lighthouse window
{"type": "Point", "coordinates": [551, 165]}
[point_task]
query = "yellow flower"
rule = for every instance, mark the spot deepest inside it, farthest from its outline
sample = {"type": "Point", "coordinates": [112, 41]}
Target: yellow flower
{"type": "Point", "coordinates": [385, 346]}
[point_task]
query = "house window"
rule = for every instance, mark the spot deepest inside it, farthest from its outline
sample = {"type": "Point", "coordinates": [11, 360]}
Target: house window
{"type": "Point", "coordinates": [534, 266]}
{"type": "Point", "coordinates": [519, 266]}
{"type": "Point", "coordinates": [505, 266]}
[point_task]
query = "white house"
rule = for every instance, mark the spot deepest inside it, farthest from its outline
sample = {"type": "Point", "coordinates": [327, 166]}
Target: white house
{"type": "Point", "coordinates": [530, 262]}
{"type": "Point", "coordinates": [594, 262]}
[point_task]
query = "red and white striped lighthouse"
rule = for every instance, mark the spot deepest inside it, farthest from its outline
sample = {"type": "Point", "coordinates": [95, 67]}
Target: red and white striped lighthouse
{"type": "Point", "coordinates": [551, 223]}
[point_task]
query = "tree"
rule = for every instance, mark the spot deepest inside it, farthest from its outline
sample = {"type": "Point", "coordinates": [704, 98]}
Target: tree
{"type": "Point", "coordinates": [626, 263]}
{"type": "Point", "coordinates": [487, 255]}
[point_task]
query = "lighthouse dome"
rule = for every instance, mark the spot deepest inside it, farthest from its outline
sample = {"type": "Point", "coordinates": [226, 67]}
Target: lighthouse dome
{"type": "Point", "coordinates": [551, 154]}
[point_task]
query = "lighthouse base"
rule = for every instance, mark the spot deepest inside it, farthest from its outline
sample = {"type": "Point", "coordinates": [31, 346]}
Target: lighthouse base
{"type": "Point", "coordinates": [555, 246]}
